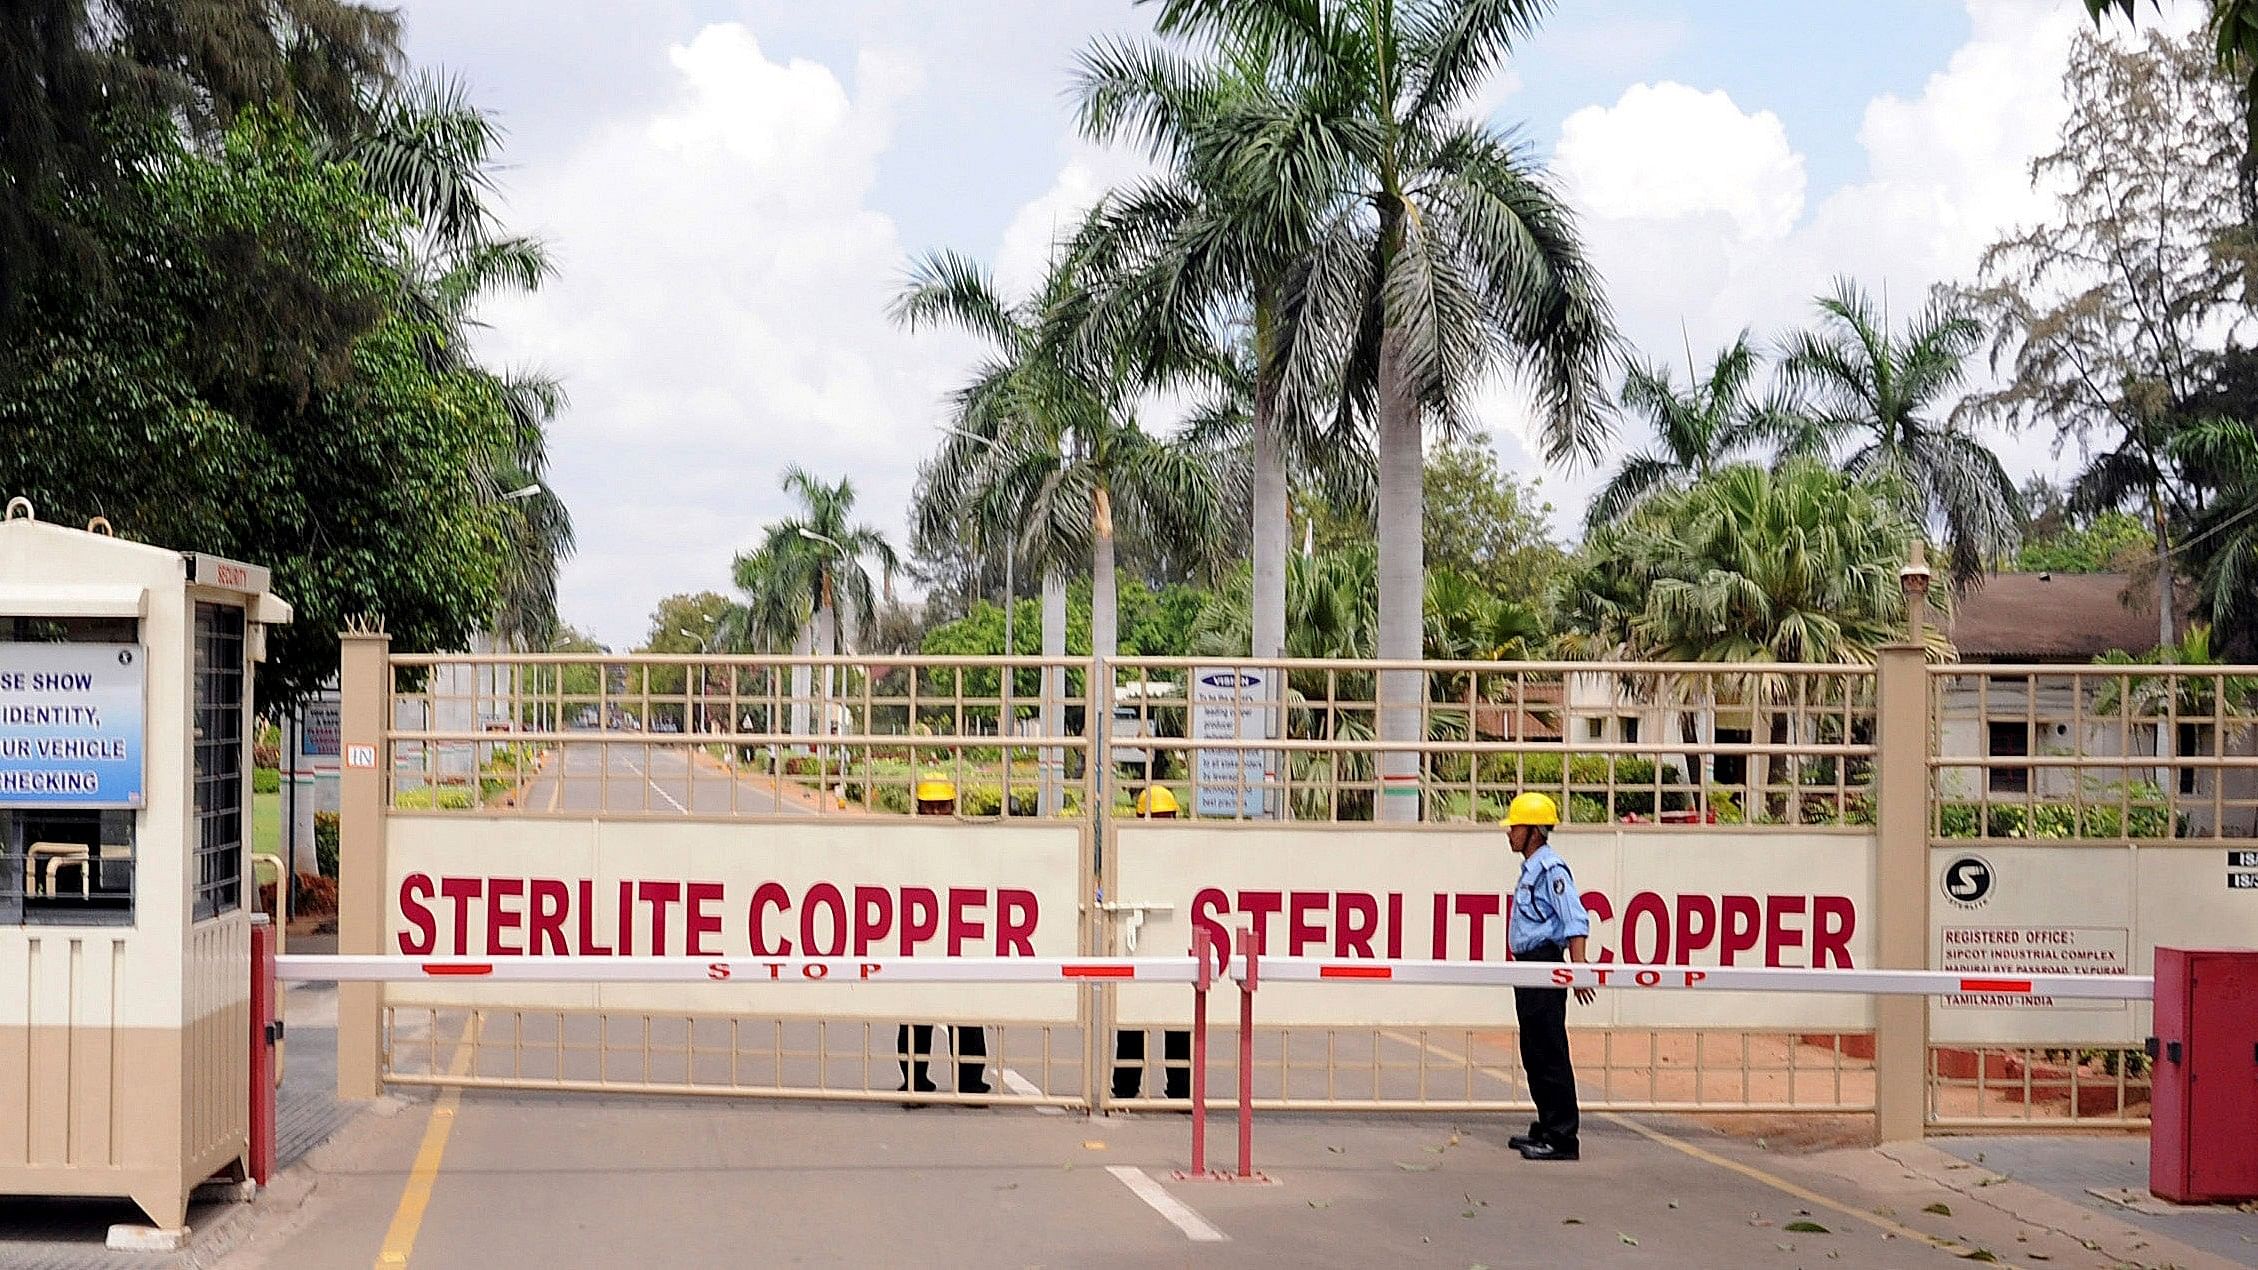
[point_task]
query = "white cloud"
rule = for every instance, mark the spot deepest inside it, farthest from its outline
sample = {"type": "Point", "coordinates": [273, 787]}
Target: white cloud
{"type": "Point", "coordinates": [1086, 174]}
{"type": "Point", "coordinates": [1694, 207]}
{"type": "Point", "coordinates": [717, 317]}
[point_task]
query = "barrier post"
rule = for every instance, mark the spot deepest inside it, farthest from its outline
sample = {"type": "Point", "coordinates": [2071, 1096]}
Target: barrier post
{"type": "Point", "coordinates": [1901, 887]}
{"type": "Point", "coordinates": [1247, 944]}
{"type": "Point", "coordinates": [364, 682]}
{"type": "Point", "coordinates": [1201, 945]}
{"type": "Point", "coordinates": [266, 1032]}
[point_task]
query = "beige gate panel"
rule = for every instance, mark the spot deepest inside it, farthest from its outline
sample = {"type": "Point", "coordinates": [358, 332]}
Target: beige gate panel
{"type": "Point", "coordinates": [1656, 896]}
{"type": "Point", "coordinates": [854, 887]}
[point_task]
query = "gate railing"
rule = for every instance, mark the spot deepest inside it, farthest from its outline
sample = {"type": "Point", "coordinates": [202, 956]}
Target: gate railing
{"type": "Point", "coordinates": [2134, 756]}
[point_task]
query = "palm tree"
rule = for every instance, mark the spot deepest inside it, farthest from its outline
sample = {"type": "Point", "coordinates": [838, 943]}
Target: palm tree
{"type": "Point", "coordinates": [813, 563]}
{"type": "Point", "coordinates": [2222, 539]}
{"type": "Point", "coordinates": [1443, 254]}
{"type": "Point", "coordinates": [1698, 428]}
{"type": "Point", "coordinates": [1884, 394]}
{"type": "Point", "coordinates": [1046, 452]}
{"type": "Point", "coordinates": [1223, 239]}
{"type": "Point", "coordinates": [425, 149]}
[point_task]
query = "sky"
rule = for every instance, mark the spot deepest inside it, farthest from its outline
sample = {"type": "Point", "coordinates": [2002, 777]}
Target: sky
{"type": "Point", "coordinates": [733, 189]}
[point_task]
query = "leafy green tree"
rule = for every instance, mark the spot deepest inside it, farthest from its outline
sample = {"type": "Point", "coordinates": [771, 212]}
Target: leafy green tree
{"type": "Point", "coordinates": [1707, 423]}
{"type": "Point", "coordinates": [196, 403]}
{"type": "Point", "coordinates": [80, 76]}
{"type": "Point", "coordinates": [2111, 542]}
{"type": "Point", "coordinates": [2233, 29]}
{"type": "Point", "coordinates": [1884, 395]}
{"type": "Point", "coordinates": [1486, 524]}
{"type": "Point", "coordinates": [689, 623]}
{"type": "Point", "coordinates": [2115, 317]}
{"type": "Point", "coordinates": [1443, 254]}
{"type": "Point", "coordinates": [1794, 565]}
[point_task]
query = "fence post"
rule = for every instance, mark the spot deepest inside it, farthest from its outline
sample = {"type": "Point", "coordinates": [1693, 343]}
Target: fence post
{"type": "Point", "coordinates": [1901, 887]}
{"type": "Point", "coordinates": [364, 681]}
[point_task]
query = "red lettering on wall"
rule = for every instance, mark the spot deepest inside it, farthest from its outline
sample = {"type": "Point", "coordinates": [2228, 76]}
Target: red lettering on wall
{"type": "Point", "coordinates": [1778, 937]}
{"type": "Point", "coordinates": [1649, 906]}
{"type": "Point", "coordinates": [1209, 906]}
{"type": "Point", "coordinates": [1016, 915]}
{"type": "Point", "coordinates": [1697, 925]}
{"type": "Point", "coordinates": [1834, 919]}
{"type": "Point", "coordinates": [462, 891]}
{"type": "Point", "coordinates": [1477, 910]}
{"type": "Point", "coordinates": [1302, 929]}
{"type": "Point", "coordinates": [874, 917]}
{"type": "Point", "coordinates": [499, 919]}
{"type": "Point", "coordinates": [414, 890]}
{"type": "Point", "coordinates": [766, 895]}
{"type": "Point", "coordinates": [1742, 914]}
{"type": "Point", "coordinates": [1261, 906]}
{"type": "Point", "coordinates": [548, 898]}
{"type": "Point", "coordinates": [821, 896]}
{"type": "Point", "coordinates": [1355, 916]}
{"type": "Point", "coordinates": [921, 917]}
{"type": "Point", "coordinates": [702, 922]}
{"type": "Point", "coordinates": [658, 895]}
{"type": "Point", "coordinates": [963, 924]}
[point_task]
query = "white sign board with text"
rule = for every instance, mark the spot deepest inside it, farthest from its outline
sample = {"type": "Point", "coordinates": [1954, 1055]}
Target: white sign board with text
{"type": "Point", "coordinates": [1232, 703]}
{"type": "Point", "coordinates": [1656, 897]}
{"type": "Point", "coordinates": [71, 724]}
{"type": "Point", "coordinates": [463, 887]}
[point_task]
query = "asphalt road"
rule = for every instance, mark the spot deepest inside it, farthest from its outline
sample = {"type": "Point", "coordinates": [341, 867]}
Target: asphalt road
{"type": "Point", "coordinates": [636, 776]}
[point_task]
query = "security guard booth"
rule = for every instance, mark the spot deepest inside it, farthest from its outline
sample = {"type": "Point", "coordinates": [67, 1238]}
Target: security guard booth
{"type": "Point", "coordinates": [125, 901]}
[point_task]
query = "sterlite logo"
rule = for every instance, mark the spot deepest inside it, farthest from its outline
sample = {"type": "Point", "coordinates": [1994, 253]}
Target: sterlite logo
{"type": "Point", "coordinates": [1968, 881]}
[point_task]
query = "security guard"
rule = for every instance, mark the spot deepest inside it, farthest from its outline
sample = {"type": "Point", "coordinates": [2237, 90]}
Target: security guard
{"type": "Point", "coordinates": [937, 796]}
{"type": "Point", "coordinates": [1549, 924]}
{"type": "Point", "coordinates": [1155, 802]}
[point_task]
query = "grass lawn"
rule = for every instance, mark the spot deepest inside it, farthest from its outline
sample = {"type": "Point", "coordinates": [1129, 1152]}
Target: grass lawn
{"type": "Point", "coordinates": [266, 823]}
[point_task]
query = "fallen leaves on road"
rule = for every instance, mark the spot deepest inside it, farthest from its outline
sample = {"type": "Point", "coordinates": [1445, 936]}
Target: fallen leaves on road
{"type": "Point", "coordinates": [1409, 1167]}
{"type": "Point", "coordinates": [1940, 1209]}
{"type": "Point", "coordinates": [1806, 1228]}
{"type": "Point", "coordinates": [1626, 1239]}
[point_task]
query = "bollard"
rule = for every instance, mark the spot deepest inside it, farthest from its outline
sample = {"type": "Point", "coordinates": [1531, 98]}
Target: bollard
{"type": "Point", "coordinates": [1248, 943]}
{"type": "Point", "coordinates": [1201, 946]}
{"type": "Point", "coordinates": [266, 1032]}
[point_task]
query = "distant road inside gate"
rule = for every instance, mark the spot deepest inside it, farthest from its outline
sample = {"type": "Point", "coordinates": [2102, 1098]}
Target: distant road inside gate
{"type": "Point", "coordinates": [598, 776]}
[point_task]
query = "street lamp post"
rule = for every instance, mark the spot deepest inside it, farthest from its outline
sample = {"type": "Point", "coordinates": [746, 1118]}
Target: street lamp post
{"type": "Point", "coordinates": [705, 649]}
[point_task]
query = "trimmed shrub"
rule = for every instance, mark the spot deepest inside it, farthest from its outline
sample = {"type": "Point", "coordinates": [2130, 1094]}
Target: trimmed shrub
{"type": "Point", "coordinates": [325, 843]}
{"type": "Point", "coordinates": [266, 780]}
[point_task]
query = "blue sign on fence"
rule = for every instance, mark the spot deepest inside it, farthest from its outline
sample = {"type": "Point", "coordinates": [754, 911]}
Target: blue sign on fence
{"type": "Point", "coordinates": [71, 721]}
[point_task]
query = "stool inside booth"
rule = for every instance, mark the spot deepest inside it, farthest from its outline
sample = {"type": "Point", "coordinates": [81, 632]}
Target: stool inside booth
{"type": "Point", "coordinates": [125, 948]}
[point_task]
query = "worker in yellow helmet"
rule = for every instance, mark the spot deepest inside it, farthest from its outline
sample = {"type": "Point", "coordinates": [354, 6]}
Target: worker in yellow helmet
{"type": "Point", "coordinates": [913, 1044]}
{"type": "Point", "coordinates": [1154, 802]}
{"type": "Point", "coordinates": [1157, 803]}
{"type": "Point", "coordinates": [1549, 924]}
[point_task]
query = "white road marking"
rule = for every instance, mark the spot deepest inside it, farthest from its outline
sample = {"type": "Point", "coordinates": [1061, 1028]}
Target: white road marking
{"type": "Point", "coordinates": [638, 770]}
{"type": "Point", "coordinates": [1194, 1226]}
{"type": "Point", "coordinates": [1025, 1088]}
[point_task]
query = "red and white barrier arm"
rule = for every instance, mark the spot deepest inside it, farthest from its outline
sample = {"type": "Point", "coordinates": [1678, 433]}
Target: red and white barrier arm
{"type": "Point", "coordinates": [1545, 974]}
{"type": "Point", "coordinates": [397, 969]}
{"type": "Point", "coordinates": [1184, 970]}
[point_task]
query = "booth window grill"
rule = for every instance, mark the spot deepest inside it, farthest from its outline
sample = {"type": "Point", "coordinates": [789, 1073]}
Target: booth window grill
{"type": "Point", "coordinates": [59, 865]}
{"type": "Point", "coordinates": [219, 759]}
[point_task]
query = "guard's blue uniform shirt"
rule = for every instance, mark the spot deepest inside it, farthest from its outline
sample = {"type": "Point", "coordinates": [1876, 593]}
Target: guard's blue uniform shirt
{"type": "Point", "coordinates": [1546, 907]}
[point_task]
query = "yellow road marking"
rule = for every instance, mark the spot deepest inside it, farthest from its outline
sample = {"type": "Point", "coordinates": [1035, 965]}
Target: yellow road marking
{"type": "Point", "coordinates": [407, 1219]}
{"type": "Point", "coordinates": [1749, 1171]}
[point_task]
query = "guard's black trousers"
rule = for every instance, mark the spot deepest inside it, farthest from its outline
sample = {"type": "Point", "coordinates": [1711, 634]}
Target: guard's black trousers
{"type": "Point", "coordinates": [1543, 1014]}
{"type": "Point", "coordinates": [972, 1055]}
{"type": "Point", "coordinates": [1129, 1063]}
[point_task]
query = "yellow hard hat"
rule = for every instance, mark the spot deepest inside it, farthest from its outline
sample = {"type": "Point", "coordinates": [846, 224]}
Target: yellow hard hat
{"type": "Point", "coordinates": [1532, 809]}
{"type": "Point", "coordinates": [1157, 801]}
{"type": "Point", "coordinates": [935, 788]}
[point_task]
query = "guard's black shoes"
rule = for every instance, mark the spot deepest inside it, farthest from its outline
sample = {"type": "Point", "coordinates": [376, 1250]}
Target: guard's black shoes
{"type": "Point", "coordinates": [1520, 1140]}
{"type": "Point", "coordinates": [1548, 1151]}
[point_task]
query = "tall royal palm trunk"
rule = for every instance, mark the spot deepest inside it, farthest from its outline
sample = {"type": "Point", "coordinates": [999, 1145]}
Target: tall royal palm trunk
{"type": "Point", "coordinates": [803, 643]}
{"type": "Point", "coordinates": [1401, 522]}
{"type": "Point", "coordinates": [1105, 608]}
{"type": "Point", "coordinates": [826, 644]}
{"type": "Point", "coordinates": [1052, 715]}
{"type": "Point", "coordinates": [1270, 527]}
